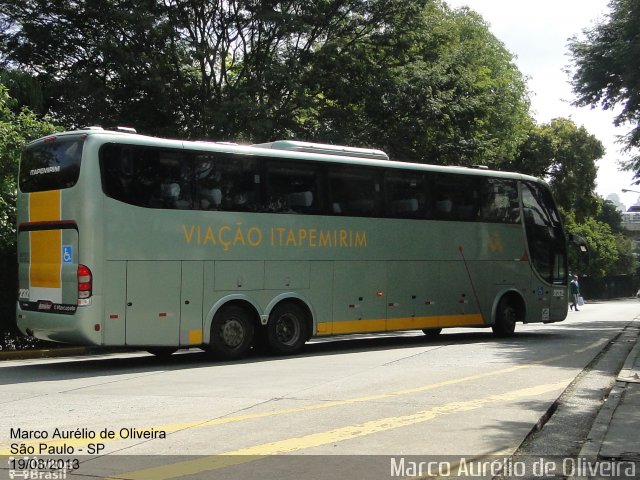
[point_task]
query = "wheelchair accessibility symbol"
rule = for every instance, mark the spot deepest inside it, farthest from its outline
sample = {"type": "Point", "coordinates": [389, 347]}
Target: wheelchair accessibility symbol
{"type": "Point", "coordinates": [67, 253]}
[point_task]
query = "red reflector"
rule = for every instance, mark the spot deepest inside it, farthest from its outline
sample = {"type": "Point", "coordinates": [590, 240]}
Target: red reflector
{"type": "Point", "coordinates": [84, 287]}
{"type": "Point", "coordinates": [83, 270]}
{"type": "Point", "coordinates": [162, 314]}
{"type": "Point", "coordinates": [96, 327]}
{"type": "Point", "coordinates": [113, 316]}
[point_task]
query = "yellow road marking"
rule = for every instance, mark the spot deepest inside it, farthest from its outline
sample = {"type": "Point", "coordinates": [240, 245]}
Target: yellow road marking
{"type": "Point", "coordinates": [340, 434]}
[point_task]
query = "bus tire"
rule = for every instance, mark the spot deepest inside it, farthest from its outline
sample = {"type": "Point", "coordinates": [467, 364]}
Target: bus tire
{"type": "Point", "coordinates": [287, 329]}
{"type": "Point", "coordinates": [232, 331]}
{"type": "Point", "coordinates": [432, 333]}
{"type": "Point", "coordinates": [506, 318]}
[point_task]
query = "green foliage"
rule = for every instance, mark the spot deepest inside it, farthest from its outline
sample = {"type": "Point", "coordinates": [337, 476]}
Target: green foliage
{"type": "Point", "coordinates": [24, 91]}
{"type": "Point", "coordinates": [627, 262]}
{"type": "Point", "coordinates": [607, 72]}
{"type": "Point", "coordinates": [609, 214]}
{"type": "Point", "coordinates": [610, 253]}
{"type": "Point", "coordinates": [15, 131]}
{"type": "Point", "coordinates": [438, 87]}
{"type": "Point", "coordinates": [109, 63]}
{"type": "Point", "coordinates": [415, 78]}
{"type": "Point", "coordinates": [565, 155]}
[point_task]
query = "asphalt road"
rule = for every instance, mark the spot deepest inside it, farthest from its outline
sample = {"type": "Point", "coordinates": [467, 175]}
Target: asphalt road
{"type": "Point", "coordinates": [358, 406]}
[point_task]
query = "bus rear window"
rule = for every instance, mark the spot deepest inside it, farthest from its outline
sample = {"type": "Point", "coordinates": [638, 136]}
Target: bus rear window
{"type": "Point", "coordinates": [51, 165]}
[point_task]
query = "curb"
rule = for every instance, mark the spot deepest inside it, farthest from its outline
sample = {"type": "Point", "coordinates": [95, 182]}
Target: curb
{"type": "Point", "coordinates": [600, 427]}
{"type": "Point", "coordinates": [46, 353]}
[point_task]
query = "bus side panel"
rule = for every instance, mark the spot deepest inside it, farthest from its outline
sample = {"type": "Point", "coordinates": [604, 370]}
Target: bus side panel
{"type": "Point", "coordinates": [153, 303]}
{"type": "Point", "coordinates": [286, 274]}
{"type": "Point", "coordinates": [403, 279]}
{"type": "Point", "coordinates": [359, 303]}
{"type": "Point", "coordinates": [413, 288]}
{"type": "Point", "coordinates": [428, 302]}
{"type": "Point", "coordinates": [239, 275]}
{"type": "Point", "coordinates": [191, 296]}
{"type": "Point", "coordinates": [115, 295]}
{"type": "Point", "coordinates": [320, 295]}
{"type": "Point", "coordinates": [459, 296]}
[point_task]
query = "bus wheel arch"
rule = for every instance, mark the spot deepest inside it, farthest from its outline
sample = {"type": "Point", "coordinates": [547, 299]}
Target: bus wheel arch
{"type": "Point", "coordinates": [232, 329]}
{"type": "Point", "coordinates": [289, 326]}
{"type": "Point", "coordinates": [509, 310]}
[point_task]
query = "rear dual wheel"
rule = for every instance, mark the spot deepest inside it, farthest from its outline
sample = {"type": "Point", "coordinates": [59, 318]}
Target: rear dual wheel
{"type": "Point", "coordinates": [232, 331]}
{"type": "Point", "coordinates": [287, 329]}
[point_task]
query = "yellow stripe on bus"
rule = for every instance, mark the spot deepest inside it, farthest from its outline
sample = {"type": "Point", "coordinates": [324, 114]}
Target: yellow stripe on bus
{"type": "Point", "coordinates": [46, 245]}
{"type": "Point", "coordinates": [408, 323]}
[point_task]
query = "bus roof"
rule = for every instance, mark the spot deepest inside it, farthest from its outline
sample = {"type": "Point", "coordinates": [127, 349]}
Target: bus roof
{"type": "Point", "coordinates": [290, 149]}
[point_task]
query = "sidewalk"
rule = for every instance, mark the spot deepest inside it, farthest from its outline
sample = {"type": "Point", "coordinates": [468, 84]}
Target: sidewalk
{"type": "Point", "coordinates": [615, 434]}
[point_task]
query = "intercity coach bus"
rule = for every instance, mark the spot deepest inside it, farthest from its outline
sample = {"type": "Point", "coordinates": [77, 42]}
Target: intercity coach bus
{"type": "Point", "coordinates": [158, 244]}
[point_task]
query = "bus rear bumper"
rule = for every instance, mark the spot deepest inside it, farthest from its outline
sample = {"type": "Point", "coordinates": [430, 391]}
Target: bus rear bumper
{"type": "Point", "coordinates": [76, 329]}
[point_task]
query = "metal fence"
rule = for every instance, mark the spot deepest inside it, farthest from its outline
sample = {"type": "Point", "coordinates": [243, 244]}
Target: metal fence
{"type": "Point", "coordinates": [618, 286]}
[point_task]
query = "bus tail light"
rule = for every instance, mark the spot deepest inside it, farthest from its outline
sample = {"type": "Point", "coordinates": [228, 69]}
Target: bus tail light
{"type": "Point", "coordinates": [85, 285]}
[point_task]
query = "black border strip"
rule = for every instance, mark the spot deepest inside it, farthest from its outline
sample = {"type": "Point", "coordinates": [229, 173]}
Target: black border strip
{"type": "Point", "coordinates": [57, 225]}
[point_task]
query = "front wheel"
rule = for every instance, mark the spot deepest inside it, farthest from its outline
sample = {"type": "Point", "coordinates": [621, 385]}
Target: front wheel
{"type": "Point", "coordinates": [232, 332]}
{"type": "Point", "coordinates": [506, 318]}
{"type": "Point", "coordinates": [287, 329]}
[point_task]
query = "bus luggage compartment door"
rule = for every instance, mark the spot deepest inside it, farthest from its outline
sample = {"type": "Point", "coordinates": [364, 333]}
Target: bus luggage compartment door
{"type": "Point", "coordinates": [153, 303]}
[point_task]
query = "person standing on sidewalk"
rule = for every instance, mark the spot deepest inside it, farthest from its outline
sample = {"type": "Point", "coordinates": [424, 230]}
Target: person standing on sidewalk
{"type": "Point", "coordinates": [575, 293]}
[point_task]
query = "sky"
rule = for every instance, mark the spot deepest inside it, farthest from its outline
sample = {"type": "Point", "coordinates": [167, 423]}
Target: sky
{"type": "Point", "coordinates": [537, 34]}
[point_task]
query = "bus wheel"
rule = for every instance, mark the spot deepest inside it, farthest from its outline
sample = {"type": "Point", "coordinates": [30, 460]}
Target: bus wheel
{"type": "Point", "coordinates": [506, 317]}
{"type": "Point", "coordinates": [232, 332]}
{"type": "Point", "coordinates": [286, 329]}
{"type": "Point", "coordinates": [432, 333]}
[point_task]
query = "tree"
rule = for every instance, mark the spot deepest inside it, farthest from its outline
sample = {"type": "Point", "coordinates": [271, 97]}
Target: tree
{"type": "Point", "coordinates": [565, 155]}
{"type": "Point", "coordinates": [603, 250]}
{"type": "Point", "coordinates": [418, 79]}
{"type": "Point", "coordinates": [191, 68]}
{"type": "Point", "coordinates": [440, 89]}
{"type": "Point", "coordinates": [606, 69]}
{"type": "Point", "coordinates": [627, 261]}
{"type": "Point", "coordinates": [16, 129]}
{"type": "Point", "coordinates": [105, 63]}
{"type": "Point", "coordinates": [609, 214]}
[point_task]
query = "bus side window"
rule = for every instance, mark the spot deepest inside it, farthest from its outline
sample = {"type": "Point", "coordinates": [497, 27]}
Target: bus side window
{"type": "Point", "coordinates": [405, 194]}
{"type": "Point", "coordinates": [499, 201]}
{"type": "Point", "coordinates": [226, 182]}
{"type": "Point", "coordinates": [294, 187]}
{"type": "Point", "coordinates": [354, 192]}
{"type": "Point", "coordinates": [456, 197]}
{"type": "Point", "coordinates": [174, 179]}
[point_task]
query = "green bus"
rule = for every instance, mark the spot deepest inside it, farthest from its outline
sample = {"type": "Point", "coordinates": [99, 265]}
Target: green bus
{"type": "Point", "coordinates": [158, 244]}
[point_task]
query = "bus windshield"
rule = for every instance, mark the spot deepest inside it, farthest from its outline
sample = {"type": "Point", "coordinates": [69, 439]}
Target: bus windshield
{"type": "Point", "coordinates": [51, 165]}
